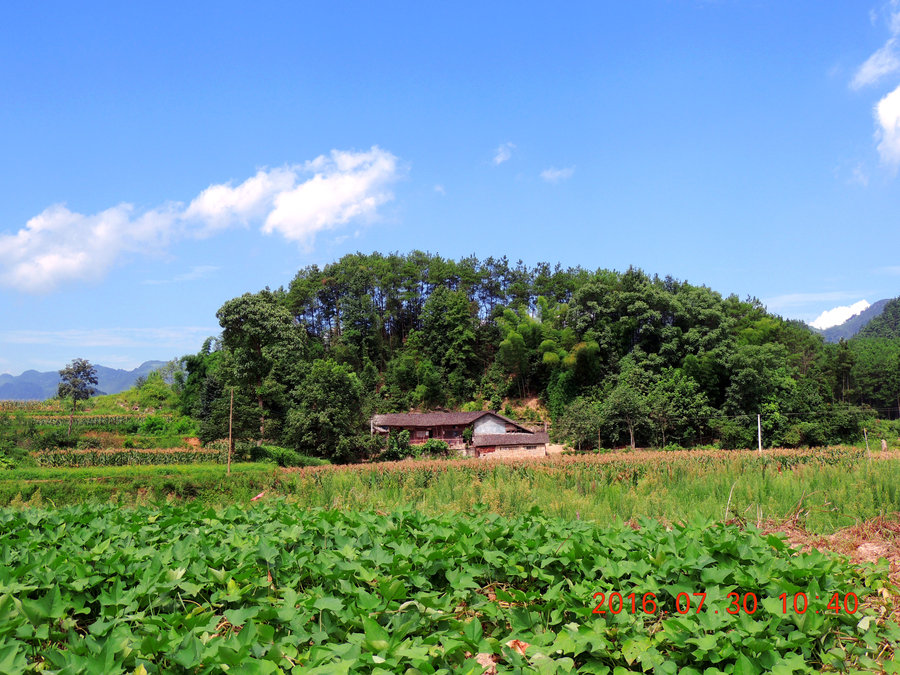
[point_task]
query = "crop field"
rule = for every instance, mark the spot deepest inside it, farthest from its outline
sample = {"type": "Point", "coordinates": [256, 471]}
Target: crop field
{"type": "Point", "coordinates": [127, 456]}
{"type": "Point", "coordinates": [276, 589]}
{"type": "Point", "coordinates": [822, 490]}
{"type": "Point", "coordinates": [588, 564]}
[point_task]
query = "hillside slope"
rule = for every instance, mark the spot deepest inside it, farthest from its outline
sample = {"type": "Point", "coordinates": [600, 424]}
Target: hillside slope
{"type": "Point", "coordinates": [37, 386]}
{"type": "Point", "coordinates": [886, 325]}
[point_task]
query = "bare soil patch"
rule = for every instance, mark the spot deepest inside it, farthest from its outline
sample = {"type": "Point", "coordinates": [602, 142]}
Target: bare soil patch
{"type": "Point", "coordinates": [865, 542]}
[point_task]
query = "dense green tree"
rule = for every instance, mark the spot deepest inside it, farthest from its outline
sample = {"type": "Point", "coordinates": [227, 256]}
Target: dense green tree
{"type": "Point", "coordinates": [844, 361]}
{"type": "Point", "coordinates": [625, 406]}
{"type": "Point", "coordinates": [263, 347]}
{"type": "Point", "coordinates": [669, 361]}
{"type": "Point", "coordinates": [447, 334]}
{"type": "Point", "coordinates": [580, 423]}
{"type": "Point", "coordinates": [327, 412]}
{"type": "Point", "coordinates": [677, 408]}
{"type": "Point", "coordinates": [875, 373]}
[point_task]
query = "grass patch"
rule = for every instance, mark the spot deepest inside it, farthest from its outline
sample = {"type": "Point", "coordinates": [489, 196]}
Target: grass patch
{"type": "Point", "coordinates": [273, 588]}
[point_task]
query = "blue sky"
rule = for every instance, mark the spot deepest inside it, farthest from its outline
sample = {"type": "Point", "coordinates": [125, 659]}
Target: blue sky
{"type": "Point", "coordinates": [160, 158]}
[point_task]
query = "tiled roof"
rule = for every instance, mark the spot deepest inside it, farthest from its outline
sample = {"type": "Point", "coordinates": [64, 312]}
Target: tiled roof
{"type": "Point", "coordinates": [537, 438]}
{"type": "Point", "coordinates": [435, 419]}
{"type": "Point", "coordinates": [432, 419]}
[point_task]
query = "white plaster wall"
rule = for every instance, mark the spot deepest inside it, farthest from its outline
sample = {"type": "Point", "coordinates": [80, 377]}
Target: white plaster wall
{"type": "Point", "coordinates": [489, 425]}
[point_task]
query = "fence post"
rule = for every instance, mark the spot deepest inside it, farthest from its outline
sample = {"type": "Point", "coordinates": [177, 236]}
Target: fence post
{"type": "Point", "coordinates": [759, 432]}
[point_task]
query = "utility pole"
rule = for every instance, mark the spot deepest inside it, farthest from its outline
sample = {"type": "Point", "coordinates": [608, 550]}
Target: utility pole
{"type": "Point", "coordinates": [230, 440]}
{"type": "Point", "coordinates": [759, 432]}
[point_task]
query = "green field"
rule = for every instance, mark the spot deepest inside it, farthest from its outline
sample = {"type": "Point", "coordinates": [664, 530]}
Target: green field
{"type": "Point", "coordinates": [822, 490]}
{"type": "Point", "coordinates": [445, 566]}
{"type": "Point", "coordinates": [275, 589]}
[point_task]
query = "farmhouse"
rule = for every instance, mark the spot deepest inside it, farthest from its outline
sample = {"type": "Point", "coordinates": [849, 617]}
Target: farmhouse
{"type": "Point", "coordinates": [492, 434]}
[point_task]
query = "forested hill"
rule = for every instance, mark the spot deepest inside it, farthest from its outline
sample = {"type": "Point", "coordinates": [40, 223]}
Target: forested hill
{"type": "Point", "coordinates": [620, 354]}
{"type": "Point", "coordinates": [885, 325]}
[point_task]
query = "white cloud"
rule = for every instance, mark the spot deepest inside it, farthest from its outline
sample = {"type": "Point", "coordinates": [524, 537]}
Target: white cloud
{"type": "Point", "coordinates": [554, 175]}
{"type": "Point", "coordinates": [59, 246]}
{"type": "Point", "coordinates": [883, 62]}
{"type": "Point", "coordinates": [886, 60]}
{"type": "Point", "coordinates": [887, 113]}
{"type": "Point", "coordinates": [440, 189]}
{"type": "Point", "coordinates": [220, 206]}
{"type": "Point", "coordinates": [504, 152]}
{"type": "Point", "coordinates": [838, 315]}
{"type": "Point", "coordinates": [345, 186]}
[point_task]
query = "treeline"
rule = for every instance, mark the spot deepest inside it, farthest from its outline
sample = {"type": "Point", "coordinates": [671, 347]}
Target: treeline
{"type": "Point", "coordinates": [616, 357]}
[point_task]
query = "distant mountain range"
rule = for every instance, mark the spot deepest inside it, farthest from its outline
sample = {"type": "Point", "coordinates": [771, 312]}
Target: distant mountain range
{"type": "Point", "coordinates": [34, 386]}
{"type": "Point", "coordinates": [854, 324]}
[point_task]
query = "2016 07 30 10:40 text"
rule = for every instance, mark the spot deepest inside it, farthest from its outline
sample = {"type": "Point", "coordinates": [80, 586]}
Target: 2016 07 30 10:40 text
{"type": "Point", "coordinates": [616, 603]}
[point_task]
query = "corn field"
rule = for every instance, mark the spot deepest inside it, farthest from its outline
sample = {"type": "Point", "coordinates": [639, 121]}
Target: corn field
{"type": "Point", "coordinates": [30, 406]}
{"type": "Point", "coordinates": [127, 457]}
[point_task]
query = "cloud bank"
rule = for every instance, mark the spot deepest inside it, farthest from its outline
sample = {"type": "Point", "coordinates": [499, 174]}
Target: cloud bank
{"type": "Point", "coordinates": [59, 246]}
{"type": "Point", "coordinates": [838, 315]}
{"type": "Point", "coordinates": [887, 112]}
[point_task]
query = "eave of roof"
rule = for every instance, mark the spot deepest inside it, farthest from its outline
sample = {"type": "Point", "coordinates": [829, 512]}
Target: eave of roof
{"type": "Point", "coordinates": [537, 438]}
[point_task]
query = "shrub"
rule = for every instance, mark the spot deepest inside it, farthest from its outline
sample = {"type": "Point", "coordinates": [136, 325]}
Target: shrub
{"type": "Point", "coordinates": [130, 426]}
{"type": "Point", "coordinates": [55, 438]}
{"type": "Point", "coordinates": [87, 443]}
{"type": "Point", "coordinates": [435, 447]}
{"type": "Point", "coordinates": [12, 456]}
{"type": "Point", "coordinates": [736, 434]}
{"type": "Point", "coordinates": [154, 425]}
{"type": "Point", "coordinates": [398, 447]}
{"type": "Point", "coordinates": [183, 426]}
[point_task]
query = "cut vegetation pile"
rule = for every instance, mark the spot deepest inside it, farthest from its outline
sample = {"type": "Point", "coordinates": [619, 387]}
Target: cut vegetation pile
{"type": "Point", "coordinates": [276, 589]}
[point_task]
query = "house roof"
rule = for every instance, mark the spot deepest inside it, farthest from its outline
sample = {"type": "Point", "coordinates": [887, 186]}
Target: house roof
{"type": "Point", "coordinates": [537, 438]}
{"type": "Point", "coordinates": [436, 419]}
